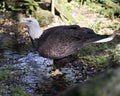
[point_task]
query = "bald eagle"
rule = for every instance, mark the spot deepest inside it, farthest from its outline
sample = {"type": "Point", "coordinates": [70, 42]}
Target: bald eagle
{"type": "Point", "coordinates": [62, 41]}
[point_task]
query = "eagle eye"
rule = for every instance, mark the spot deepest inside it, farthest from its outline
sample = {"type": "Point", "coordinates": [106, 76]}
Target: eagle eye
{"type": "Point", "coordinates": [29, 20]}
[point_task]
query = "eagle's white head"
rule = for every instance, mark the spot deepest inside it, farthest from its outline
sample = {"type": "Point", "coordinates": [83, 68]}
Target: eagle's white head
{"type": "Point", "coordinates": [33, 27]}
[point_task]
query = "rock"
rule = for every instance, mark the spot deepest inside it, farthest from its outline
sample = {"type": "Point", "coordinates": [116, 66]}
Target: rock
{"type": "Point", "coordinates": [43, 16]}
{"type": "Point", "coordinates": [6, 42]}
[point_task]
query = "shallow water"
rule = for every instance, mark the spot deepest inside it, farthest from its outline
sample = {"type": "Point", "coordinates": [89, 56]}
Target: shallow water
{"type": "Point", "coordinates": [35, 72]}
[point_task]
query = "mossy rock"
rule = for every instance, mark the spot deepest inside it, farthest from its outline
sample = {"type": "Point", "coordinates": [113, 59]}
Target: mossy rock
{"type": "Point", "coordinates": [6, 41]}
{"type": "Point", "coordinates": [43, 16]}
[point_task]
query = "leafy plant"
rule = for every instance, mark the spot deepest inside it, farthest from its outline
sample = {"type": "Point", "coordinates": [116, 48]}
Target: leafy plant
{"type": "Point", "coordinates": [26, 6]}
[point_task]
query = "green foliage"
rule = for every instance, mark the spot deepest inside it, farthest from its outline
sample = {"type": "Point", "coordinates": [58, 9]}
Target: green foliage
{"type": "Point", "coordinates": [90, 1]}
{"type": "Point", "coordinates": [65, 15]}
{"type": "Point", "coordinates": [97, 25]}
{"type": "Point", "coordinates": [26, 6]}
{"type": "Point", "coordinates": [7, 86]}
{"type": "Point", "coordinates": [110, 8]}
{"type": "Point", "coordinates": [29, 8]}
{"type": "Point", "coordinates": [5, 73]}
{"type": "Point", "coordinates": [18, 91]}
{"type": "Point", "coordinates": [114, 27]}
{"type": "Point", "coordinates": [12, 90]}
{"type": "Point", "coordinates": [30, 5]}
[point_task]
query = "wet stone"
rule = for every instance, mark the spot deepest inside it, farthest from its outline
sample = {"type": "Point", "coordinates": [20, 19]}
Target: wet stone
{"type": "Point", "coordinates": [33, 72]}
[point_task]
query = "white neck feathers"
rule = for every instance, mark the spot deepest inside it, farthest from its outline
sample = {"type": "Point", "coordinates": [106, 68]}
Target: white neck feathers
{"type": "Point", "coordinates": [35, 32]}
{"type": "Point", "coordinates": [33, 27]}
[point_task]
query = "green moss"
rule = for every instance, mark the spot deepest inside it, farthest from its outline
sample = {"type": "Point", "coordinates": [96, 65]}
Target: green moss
{"type": "Point", "coordinates": [114, 27]}
{"type": "Point", "coordinates": [5, 74]}
{"type": "Point", "coordinates": [12, 90]}
{"type": "Point", "coordinates": [7, 86]}
{"type": "Point", "coordinates": [18, 91]}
